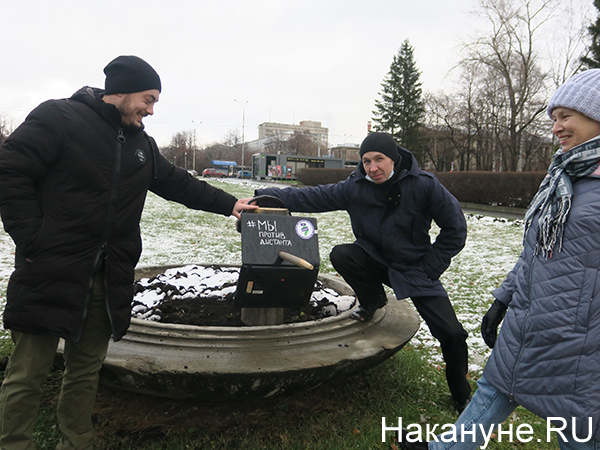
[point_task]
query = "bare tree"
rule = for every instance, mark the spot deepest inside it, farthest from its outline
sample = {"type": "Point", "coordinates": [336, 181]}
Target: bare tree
{"type": "Point", "coordinates": [465, 122]}
{"type": "Point", "coordinates": [6, 128]}
{"type": "Point", "coordinates": [277, 144]}
{"type": "Point", "coordinates": [219, 151]}
{"type": "Point", "coordinates": [485, 110]}
{"type": "Point", "coordinates": [301, 144]}
{"type": "Point", "coordinates": [444, 130]}
{"type": "Point", "coordinates": [508, 56]}
{"type": "Point", "coordinates": [495, 119]}
{"type": "Point", "coordinates": [232, 139]}
{"type": "Point", "coordinates": [181, 149]}
{"type": "Point", "coordinates": [567, 52]}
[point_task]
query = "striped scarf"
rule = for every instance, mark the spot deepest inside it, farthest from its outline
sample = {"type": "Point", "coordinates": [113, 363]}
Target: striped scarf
{"type": "Point", "coordinates": [553, 198]}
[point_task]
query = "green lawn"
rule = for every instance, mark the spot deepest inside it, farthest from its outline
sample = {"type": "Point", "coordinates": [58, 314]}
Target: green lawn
{"type": "Point", "coordinates": [342, 415]}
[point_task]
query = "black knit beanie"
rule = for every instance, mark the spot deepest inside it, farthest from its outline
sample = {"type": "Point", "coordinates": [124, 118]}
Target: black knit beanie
{"type": "Point", "coordinates": [382, 143]}
{"type": "Point", "coordinates": [127, 74]}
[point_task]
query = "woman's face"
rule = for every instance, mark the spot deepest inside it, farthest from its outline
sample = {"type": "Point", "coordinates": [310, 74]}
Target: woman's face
{"type": "Point", "coordinates": [573, 128]}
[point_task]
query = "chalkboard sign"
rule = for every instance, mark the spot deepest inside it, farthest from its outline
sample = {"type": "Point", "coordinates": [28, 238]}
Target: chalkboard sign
{"type": "Point", "coordinates": [280, 259]}
{"type": "Point", "coordinates": [265, 235]}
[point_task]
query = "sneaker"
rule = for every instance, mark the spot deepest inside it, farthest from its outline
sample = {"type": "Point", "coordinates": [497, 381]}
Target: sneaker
{"type": "Point", "coordinates": [364, 314]}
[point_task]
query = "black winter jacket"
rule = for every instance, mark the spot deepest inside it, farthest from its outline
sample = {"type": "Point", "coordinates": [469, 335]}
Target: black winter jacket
{"type": "Point", "coordinates": [72, 188]}
{"type": "Point", "coordinates": [391, 222]}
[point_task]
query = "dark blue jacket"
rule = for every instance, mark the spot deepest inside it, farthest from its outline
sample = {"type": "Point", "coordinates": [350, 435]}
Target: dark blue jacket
{"type": "Point", "coordinates": [391, 222]}
{"type": "Point", "coordinates": [547, 356]}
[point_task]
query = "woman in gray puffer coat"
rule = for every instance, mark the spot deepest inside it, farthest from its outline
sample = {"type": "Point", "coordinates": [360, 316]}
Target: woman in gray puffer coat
{"type": "Point", "coordinates": [547, 355]}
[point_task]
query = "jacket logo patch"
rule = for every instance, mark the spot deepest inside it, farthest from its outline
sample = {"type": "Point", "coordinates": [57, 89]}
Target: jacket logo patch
{"type": "Point", "coordinates": [141, 156]}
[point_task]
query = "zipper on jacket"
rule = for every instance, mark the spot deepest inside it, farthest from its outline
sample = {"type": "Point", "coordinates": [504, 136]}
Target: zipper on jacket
{"type": "Point", "coordinates": [511, 397]}
{"type": "Point", "coordinates": [113, 193]}
{"type": "Point", "coordinates": [111, 212]}
{"type": "Point", "coordinates": [102, 254]}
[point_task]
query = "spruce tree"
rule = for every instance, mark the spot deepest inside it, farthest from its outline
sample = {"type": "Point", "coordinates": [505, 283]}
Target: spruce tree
{"type": "Point", "coordinates": [400, 109]}
{"type": "Point", "coordinates": [592, 60]}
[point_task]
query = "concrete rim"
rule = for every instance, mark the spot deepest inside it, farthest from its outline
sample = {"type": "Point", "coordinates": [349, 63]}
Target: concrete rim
{"type": "Point", "coordinates": [232, 363]}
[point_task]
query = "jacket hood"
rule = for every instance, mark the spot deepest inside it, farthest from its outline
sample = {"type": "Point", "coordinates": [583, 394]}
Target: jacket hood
{"type": "Point", "coordinates": [92, 97]}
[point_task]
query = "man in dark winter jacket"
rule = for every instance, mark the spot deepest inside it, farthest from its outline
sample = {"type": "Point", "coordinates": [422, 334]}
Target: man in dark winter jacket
{"type": "Point", "coordinates": [73, 180]}
{"type": "Point", "coordinates": [391, 203]}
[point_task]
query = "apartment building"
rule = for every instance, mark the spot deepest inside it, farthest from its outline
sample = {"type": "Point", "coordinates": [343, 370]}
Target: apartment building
{"type": "Point", "coordinates": [268, 131]}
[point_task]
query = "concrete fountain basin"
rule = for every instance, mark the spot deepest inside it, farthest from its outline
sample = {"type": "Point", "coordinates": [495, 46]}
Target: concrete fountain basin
{"type": "Point", "coordinates": [213, 363]}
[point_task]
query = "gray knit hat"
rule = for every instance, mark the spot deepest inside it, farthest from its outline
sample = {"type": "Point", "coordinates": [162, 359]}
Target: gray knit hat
{"type": "Point", "coordinates": [581, 93]}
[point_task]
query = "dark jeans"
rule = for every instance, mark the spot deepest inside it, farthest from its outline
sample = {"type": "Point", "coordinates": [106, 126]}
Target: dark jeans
{"type": "Point", "coordinates": [367, 277]}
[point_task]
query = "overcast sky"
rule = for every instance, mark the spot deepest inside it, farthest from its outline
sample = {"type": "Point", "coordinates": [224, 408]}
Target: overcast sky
{"type": "Point", "coordinates": [291, 60]}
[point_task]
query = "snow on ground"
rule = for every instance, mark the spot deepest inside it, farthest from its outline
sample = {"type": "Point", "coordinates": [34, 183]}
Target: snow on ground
{"type": "Point", "coordinates": [193, 281]}
{"type": "Point", "coordinates": [7, 260]}
{"type": "Point", "coordinates": [173, 234]}
{"type": "Point", "coordinates": [492, 248]}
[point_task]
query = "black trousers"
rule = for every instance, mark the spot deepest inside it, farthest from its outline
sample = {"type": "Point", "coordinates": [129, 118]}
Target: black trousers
{"type": "Point", "coordinates": [367, 277]}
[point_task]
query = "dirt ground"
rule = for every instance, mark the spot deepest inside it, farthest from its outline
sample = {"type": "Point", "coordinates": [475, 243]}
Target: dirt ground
{"type": "Point", "coordinates": [132, 418]}
{"type": "Point", "coordinates": [215, 310]}
{"type": "Point", "coordinates": [219, 312]}
{"type": "Point", "coordinates": [124, 419]}
{"type": "Point", "coordinates": [129, 418]}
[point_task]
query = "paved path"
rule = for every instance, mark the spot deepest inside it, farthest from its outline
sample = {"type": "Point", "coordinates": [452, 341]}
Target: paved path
{"type": "Point", "coordinates": [494, 211]}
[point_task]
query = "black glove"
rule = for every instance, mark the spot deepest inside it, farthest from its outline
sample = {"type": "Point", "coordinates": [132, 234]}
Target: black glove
{"type": "Point", "coordinates": [490, 322]}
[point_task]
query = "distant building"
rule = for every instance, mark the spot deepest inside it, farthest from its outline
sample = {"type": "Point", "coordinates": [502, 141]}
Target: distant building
{"type": "Point", "coordinates": [270, 131]}
{"type": "Point", "coordinates": [278, 166]}
{"type": "Point", "coordinates": [349, 152]}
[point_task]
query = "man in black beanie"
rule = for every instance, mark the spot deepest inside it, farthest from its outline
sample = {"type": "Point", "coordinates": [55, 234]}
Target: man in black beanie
{"type": "Point", "coordinates": [133, 86]}
{"type": "Point", "coordinates": [391, 203]}
{"type": "Point", "coordinates": [73, 180]}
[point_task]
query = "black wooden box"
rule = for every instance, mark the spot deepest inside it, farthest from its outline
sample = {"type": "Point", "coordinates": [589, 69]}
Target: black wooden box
{"type": "Point", "coordinates": [266, 279]}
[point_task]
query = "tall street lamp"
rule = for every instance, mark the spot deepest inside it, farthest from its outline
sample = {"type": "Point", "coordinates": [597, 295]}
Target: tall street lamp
{"type": "Point", "coordinates": [194, 146]}
{"type": "Point", "coordinates": [344, 148]}
{"type": "Point", "coordinates": [243, 127]}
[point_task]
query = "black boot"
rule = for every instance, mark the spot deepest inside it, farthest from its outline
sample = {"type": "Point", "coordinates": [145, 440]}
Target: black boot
{"type": "Point", "coordinates": [405, 445]}
{"type": "Point", "coordinates": [461, 406]}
